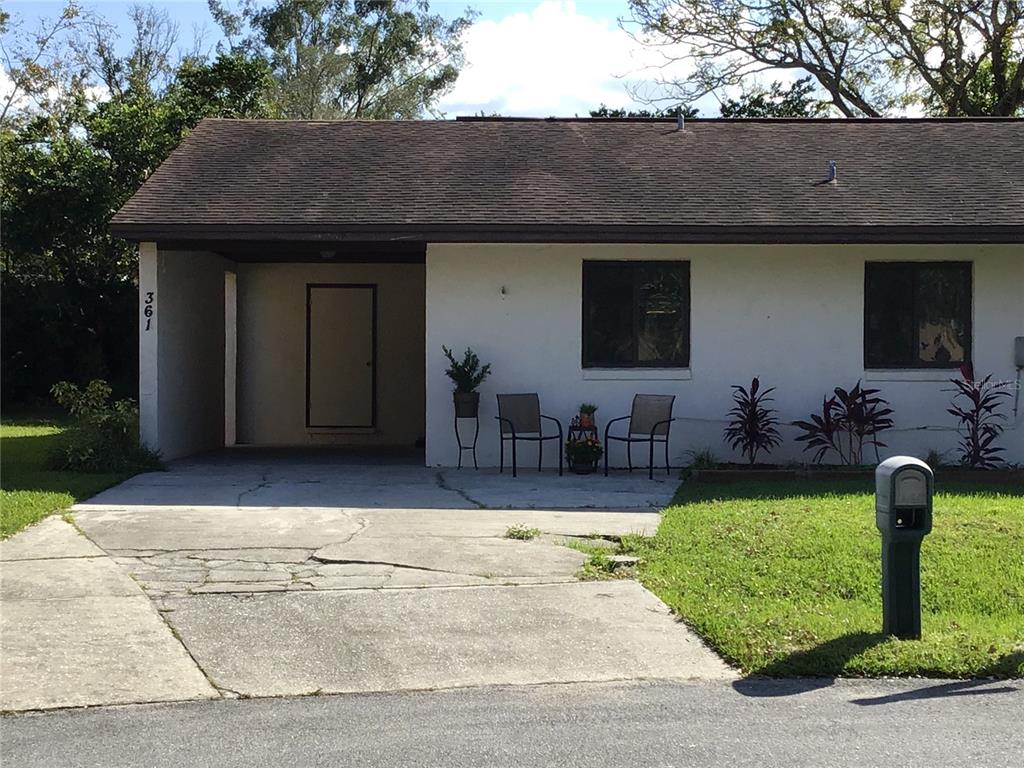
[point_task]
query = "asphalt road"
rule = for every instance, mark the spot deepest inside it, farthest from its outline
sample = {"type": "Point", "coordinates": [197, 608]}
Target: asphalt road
{"type": "Point", "coordinates": [803, 723]}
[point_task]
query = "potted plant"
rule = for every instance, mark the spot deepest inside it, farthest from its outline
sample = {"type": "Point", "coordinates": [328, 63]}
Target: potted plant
{"type": "Point", "coordinates": [587, 411]}
{"type": "Point", "coordinates": [467, 374]}
{"type": "Point", "coordinates": [582, 453]}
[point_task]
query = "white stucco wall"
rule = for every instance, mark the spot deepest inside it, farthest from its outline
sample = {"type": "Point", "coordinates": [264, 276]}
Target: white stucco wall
{"type": "Point", "coordinates": [181, 355]}
{"type": "Point", "coordinates": [272, 348]}
{"type": "Point", "coordinates": [792, 315]}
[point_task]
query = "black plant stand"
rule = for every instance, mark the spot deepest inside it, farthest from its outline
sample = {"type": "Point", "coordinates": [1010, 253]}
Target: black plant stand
{"type": "Point", "coordinates": [580, 432]}
{"type": "Point", "coordinates": [471, 446]}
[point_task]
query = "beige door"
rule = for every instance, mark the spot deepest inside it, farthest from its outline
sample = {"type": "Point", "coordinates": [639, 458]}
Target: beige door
{"type": "Point", "coordinates": [340, 349]}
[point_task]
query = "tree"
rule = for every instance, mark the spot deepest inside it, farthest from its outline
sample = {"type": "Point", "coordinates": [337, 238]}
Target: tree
{"type": "Point", "coordinates": [674, 111]}
{"type": "Point", "coordinates": [72, 159]}
{"type": "Point", "coordinates": [870, 57]}
{"type": "Point", "coordinates": [371, 59]}
{"type": "Point", "coordinates": [149, 65]}
{"type": "Point", "coordinates": [36, 62]}
{"type": "Point", "coordinates": [756, 101]}
{"type": "Point", "coordinates": [775, 101]}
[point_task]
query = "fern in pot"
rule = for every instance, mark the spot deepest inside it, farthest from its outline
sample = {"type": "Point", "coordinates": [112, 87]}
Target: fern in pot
{"type": "Point", "coordinates": [467, 374]}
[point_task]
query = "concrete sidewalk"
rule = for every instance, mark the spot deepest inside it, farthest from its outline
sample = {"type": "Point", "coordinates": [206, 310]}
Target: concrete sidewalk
{"type": "Point", "coordinates": [75, 630]}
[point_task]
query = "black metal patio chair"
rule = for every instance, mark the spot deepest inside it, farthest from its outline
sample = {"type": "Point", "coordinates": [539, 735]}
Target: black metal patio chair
{"type": "Point", "coordinates": [519, 419]}
{"type": "Point", "coordinates": [649, 422]}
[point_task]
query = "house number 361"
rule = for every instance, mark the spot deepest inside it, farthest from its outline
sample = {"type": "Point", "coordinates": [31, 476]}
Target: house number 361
{"type": "Point", "coordinates": [147, 310]}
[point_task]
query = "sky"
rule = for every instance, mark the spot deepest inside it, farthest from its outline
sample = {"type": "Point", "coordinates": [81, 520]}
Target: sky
{"type": "Point", "coordinates": [537, 58]}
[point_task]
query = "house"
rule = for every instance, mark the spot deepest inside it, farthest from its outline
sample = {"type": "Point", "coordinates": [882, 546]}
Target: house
{"type": "Point", "coordinates": [298, 279]}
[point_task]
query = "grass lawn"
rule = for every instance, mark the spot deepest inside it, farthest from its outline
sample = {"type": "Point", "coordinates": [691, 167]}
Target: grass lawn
{"type": "Point", "coordinates": [783, 579]}
{"type": "Point", "coordinates": [30, 491]}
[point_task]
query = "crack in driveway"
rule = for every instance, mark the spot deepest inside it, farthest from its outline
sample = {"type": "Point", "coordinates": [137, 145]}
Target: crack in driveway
{"type": "Point", "coordinates": [442, 483]}
{"type": "Point", "coordinates": [264, 482]}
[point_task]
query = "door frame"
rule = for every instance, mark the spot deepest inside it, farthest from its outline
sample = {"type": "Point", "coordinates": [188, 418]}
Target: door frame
{"type": "Point", "coordinates": [372, 287]}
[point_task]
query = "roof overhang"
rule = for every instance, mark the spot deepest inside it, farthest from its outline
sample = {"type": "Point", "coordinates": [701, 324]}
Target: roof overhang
{"type": "Point", "coordinates": [574, 233]}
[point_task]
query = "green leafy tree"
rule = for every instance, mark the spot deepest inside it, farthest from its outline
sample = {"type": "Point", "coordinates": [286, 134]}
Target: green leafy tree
{"type": "Point", "coordinates": [798, 100]}
{"type": "Point", "coordinates": [868, 57]}
{"type": "Point", "coordinates": [371, 59]}
{"type": "Point", "coordinates": [70, 160]}
{"type": "Point", "coordinates": [604, 111]}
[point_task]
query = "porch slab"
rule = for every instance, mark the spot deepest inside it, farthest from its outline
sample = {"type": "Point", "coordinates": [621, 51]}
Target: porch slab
{"type": "Point", "coordinates": [546, 490]}
{"type": "Point", "coordinates": [381, 640]}
{"type": "Point", "coordinates": [244, 478]}
{"type": "Point", "coordinates": [254, 477]}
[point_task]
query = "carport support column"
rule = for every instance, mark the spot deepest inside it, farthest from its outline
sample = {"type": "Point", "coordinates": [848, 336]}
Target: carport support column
{"type": "Point", "coordinates": [149, 353]}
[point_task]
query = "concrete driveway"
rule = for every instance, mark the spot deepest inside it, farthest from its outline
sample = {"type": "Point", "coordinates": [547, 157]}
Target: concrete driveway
{"type": "Point", "coordinates": [287, 574]}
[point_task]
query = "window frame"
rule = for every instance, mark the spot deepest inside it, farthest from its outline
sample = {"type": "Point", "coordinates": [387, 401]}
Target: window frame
{"type": "Point", "coordinates": [966, 268]}
{"type": "Point", "coordinates": [635, 266]}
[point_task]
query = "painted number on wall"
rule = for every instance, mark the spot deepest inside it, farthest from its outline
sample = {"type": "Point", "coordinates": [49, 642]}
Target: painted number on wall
{"type": "Point", "coordinates": [148, 309]}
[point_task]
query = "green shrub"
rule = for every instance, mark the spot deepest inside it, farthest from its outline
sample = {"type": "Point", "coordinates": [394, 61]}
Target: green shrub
{"type": "Point", "coordinates": [103, 436]}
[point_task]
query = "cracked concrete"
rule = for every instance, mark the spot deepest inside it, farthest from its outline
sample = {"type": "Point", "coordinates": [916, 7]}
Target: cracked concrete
{"type": "Point", "coordinates": [503, 558]}
{"type": "Point", "coordinates": [364, 563]}
{"type": "Point", "coordinates": [75, 630]}
{"type": "Point", "coordinates": [375, 640]}
{"type": "Point", "coordinates": [284, 576]}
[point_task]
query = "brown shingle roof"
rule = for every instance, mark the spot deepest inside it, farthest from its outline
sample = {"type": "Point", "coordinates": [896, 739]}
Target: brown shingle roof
{"type": "Point", "coordinates": [588, 180]}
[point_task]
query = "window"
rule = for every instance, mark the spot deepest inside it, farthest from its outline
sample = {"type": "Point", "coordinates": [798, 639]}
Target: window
{"type": "Point", "coordinates": [636, 314]}
{"type": "Point", "coordinates": [917, 314]}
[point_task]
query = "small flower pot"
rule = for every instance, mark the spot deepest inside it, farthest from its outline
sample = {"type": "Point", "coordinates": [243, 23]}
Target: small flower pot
{"type": "Point", "coordinates": [586, 420]}
{"type": "Point", "coordinates": [583, 467]}
{"type": "Point", "coordinates": [467, 405]}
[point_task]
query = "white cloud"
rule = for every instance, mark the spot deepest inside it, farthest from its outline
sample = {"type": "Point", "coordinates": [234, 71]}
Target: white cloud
{"type": "Point", "coordinates": [553, 60]}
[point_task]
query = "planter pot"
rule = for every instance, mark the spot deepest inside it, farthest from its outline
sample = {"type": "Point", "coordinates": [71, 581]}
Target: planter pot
{"type": "Point", "coordinates": [583, 467]}
{"type": "Point", "coordinates": [467, 405]}
{"type": "Point", "coordinates": [586, 420]}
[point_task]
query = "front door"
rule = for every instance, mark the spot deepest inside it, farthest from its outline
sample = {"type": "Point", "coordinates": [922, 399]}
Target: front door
{"type": "Point", "coordinates": [340, 355]}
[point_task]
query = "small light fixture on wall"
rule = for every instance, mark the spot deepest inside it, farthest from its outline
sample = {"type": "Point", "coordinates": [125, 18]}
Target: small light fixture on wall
{"type": "Point", "coordinates": [503, 291]}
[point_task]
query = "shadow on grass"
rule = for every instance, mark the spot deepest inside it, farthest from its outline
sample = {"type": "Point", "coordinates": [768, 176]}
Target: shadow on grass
{"type": "Point", "coordinates": [816, 667]}
{"type": "Point", "coordinates": [819, 667]}
{"type": "Point", "coordinates": [25, 462]}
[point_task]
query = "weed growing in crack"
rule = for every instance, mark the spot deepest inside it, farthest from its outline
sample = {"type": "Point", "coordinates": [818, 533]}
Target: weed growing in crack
{"type": "Point", "coordinates": [521, 532]}
{"type": "Point", "coordinates": [604, 557]}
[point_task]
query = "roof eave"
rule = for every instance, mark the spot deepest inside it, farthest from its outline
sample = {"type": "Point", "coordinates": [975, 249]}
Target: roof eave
{"type": "Point", "coordinates": [576, 233]}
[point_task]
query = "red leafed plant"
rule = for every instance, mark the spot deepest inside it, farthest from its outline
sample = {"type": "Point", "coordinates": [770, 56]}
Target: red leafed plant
{"type": "Point", "coordinates": [751, 423]}
{"type": "Point", "coordinates": [976, 407]}
{"type": "Point", "coordinates": [849, 422]}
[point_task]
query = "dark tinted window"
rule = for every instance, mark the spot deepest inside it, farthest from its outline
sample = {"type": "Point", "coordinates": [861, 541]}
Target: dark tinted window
{"type": "Point", "coordinates": [636, 314]}
{"type": "Point", "coordinates": [917, 314]}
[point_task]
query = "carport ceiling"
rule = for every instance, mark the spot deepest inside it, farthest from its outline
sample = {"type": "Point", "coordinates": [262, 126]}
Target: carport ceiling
{"type": "Point", "coordinates": [386, 252]}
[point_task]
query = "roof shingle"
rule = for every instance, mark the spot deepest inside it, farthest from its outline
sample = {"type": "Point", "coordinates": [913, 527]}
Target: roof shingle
{"type": "Point", "coordinates": [543, 179]}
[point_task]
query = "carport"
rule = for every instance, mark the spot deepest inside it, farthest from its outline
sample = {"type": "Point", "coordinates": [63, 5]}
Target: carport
{"type": "Point", "coordinates": [249, 342]}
